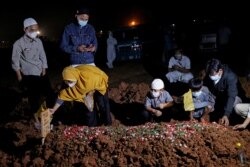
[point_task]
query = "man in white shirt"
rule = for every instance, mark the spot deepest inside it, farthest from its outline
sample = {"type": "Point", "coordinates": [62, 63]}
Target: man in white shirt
{"type": "Point", "coordinates": [179, 68]}
{"type": "Point", "coordinates": [30, 63]}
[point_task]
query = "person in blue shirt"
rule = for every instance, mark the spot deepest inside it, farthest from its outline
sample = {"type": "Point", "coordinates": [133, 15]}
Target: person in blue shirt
{"type": "Point", "coordinates": [203, 100]}
{"type": "Point", "coordinates": [79, 39]}
{"type": "Point", "coordinates": [157, 101]}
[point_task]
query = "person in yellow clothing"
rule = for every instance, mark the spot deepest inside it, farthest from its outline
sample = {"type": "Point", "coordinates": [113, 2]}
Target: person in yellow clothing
{"type": "Point", "coordinates": [86, 83]}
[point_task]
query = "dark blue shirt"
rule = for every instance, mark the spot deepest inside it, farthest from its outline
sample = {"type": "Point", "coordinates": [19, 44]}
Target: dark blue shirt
{"type": "Point", "coordinates": [74, 36]}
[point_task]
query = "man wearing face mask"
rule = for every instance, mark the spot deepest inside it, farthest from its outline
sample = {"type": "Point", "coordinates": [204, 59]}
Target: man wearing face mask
{"type": "Point", "coordinates": [79, 39]}
{"type": "Point", "coordinates": [157, 101]}
{"type": "Point", "coordinates": [179, 68]}
{"type": "Point", "coordinates": [86, 83]}
{"type": "Point", "coordinates": [30, 63]}
{"type": "Point", "coordinates": [224, 84]}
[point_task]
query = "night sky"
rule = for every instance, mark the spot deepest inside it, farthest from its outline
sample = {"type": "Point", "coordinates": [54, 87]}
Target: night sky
{"type": "Point", "coordinates": [108, 15]}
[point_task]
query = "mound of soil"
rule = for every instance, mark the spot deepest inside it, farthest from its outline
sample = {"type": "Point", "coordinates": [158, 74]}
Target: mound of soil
{"type": "Point", "coordinates": [174, 143]}
{"type": "Point", "coordinates": [151, 144]}
{"type": "Point", "coordinates": [128, 142]}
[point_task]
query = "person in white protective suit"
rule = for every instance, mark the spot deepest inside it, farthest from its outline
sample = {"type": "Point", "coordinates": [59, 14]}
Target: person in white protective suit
{"type": "Point", "coordinates": [111, 54]}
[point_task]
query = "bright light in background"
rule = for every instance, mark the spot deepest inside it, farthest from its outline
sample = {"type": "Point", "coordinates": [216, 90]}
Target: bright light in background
{"type": "Point", "coordinates": [133, 23]}
{"type": "Point", "coordinates": [38, 32]}
{"type": "Point", "coordinates": [135, 17]}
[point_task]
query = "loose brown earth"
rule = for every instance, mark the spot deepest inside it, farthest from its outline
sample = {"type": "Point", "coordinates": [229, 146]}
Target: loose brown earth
{"type": "Point", "coordinates": [174, 143]}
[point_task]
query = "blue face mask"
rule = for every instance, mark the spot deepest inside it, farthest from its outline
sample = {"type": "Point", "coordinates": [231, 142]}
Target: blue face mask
{"type": "Point", "coordinates": [82, 22]}
{"type": "Point", "coordinates": [197, 94]}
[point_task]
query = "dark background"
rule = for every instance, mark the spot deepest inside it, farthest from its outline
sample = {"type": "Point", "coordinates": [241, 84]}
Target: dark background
{"type": "Point", "coordinates": [52, 16]}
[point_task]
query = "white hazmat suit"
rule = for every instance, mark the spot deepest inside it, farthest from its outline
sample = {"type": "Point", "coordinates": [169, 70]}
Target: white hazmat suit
{"type": "Point", "coordinates": [111, 54]}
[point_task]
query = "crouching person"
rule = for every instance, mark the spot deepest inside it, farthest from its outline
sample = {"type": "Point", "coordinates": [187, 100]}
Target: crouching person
{"type": "Point", "coordinates": [179, 68]}
{"type": "Point", "coordinates": [243, 109]}
{"type": "Point", "coordinates": [203, 100]}
{"type": "Point", "coordinates": [157, 101]}
{"type": "Point", "coordinates": [86, 83]}
{"type": "Point", "coordinates": [199, 101]}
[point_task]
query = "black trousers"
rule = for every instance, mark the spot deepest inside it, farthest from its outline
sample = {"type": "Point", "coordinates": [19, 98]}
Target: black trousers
{"type": "Point", "coordinates": [103, 108]}
{"type": "Point", "coordinates": [80, 115]}
{"type": "Point", "coordinates": [99, 116]}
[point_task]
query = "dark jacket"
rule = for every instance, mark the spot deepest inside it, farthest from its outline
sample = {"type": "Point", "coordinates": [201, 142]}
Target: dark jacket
{"type": "Point", "coordinates": [226, 90]}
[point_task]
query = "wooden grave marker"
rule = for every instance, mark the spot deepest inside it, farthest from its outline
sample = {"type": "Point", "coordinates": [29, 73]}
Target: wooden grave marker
{"type": "Point", "coordinates": [45, 124]}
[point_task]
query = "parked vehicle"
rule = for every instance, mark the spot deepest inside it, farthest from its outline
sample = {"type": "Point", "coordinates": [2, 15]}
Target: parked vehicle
{"type": "Point", "coordinates": [208, 42]}
{"type": "Point", "coordinates": [208, 36]}
{"type": "Point", "coordinates": [132, 41]}
{"type": "Point", "coordinates": [129, 45]}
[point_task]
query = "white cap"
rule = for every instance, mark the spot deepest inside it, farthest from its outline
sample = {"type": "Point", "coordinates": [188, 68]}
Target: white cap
{"type": "Point", "coordinates": [157, 84]}
{"type": "Point", "coordinates": [29, 22]}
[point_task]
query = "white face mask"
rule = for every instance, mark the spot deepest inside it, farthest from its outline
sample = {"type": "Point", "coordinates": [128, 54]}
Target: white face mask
{"type": "Point", "coordinates": [32, 34]}
{"type": "Point", "coordinates": [155, 94]}
{"type": "Point", "coordinates": [178, 56]}
{"type": "Point", "coordinates": [197, 94]}
{"type": "Point", "coordinates": [82, 22]}
{"type": "Point", "coordinates": [215, 77]}
{"type": "Point", "coordinates": [71, 84]}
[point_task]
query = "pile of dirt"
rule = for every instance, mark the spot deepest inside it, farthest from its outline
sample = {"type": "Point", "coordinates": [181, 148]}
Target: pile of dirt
{"type": "Point", "coordinates": [129, 93]}
{"type": "Point", "coordinates": [151, 144]}
{"type": "Point", "coordinates": [175, 143]}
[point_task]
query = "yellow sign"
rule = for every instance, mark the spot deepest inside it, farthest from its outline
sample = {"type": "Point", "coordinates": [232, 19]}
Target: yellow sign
{"type": "Point", "coordinates": [188, 101]}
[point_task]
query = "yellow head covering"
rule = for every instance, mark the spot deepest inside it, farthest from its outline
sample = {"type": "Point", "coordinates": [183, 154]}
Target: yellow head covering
{"type": "Point", "coordinates": [89, 78]}
{"type": "Point", "coordinates": [70, 74]}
